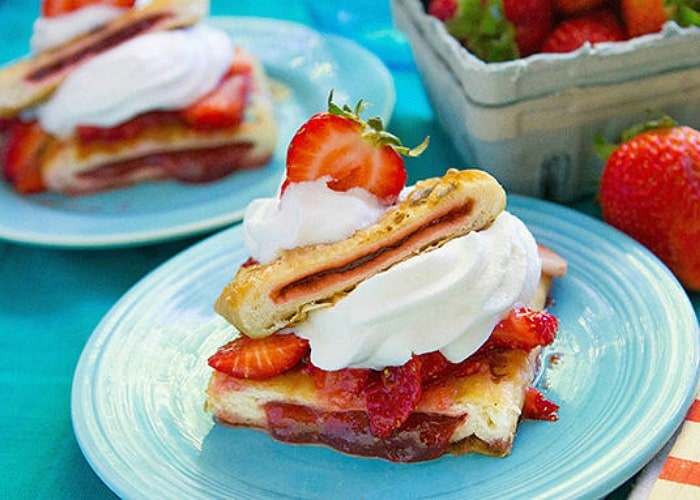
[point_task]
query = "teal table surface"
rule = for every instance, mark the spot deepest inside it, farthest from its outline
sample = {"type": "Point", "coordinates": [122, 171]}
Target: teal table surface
{"type": "Point", "coordinates": [52, 299]}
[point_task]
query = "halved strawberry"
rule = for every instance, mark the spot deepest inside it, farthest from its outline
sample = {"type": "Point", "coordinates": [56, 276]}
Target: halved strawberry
{"type": "Point", "coordinates": [538, 407]}
{"type": "Point", "coordinates": [222, 107]}
{"type": "Point", "coordinates": [24, 143]}
{"type": "Point", "coordinates": [262, 358]}
{"type": "Point", "coordinates": [392, 395]}
{"type": "Point", "coordinates": [525, 328]}
{"type": "Point", "coordinates": [55, 8]}
{"type": "Point", "coordinates": [354, 153]}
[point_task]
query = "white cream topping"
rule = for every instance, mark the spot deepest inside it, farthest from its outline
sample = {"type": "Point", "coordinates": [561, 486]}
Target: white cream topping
{"type": "Point", "coordinates": [156, 71]}
{"type": "Point", "coordinates": [447, 299]}
{"type": "Point", "coordinates": [50, 32]}
{"type": "Point", "coordinates": [307, 213]}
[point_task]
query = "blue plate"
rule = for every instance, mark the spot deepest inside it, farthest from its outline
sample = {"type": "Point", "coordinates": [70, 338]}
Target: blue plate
{"type": "Point", "coordinates": [627, 359]}
{"type": "Point", "coordinates": [305, 67]}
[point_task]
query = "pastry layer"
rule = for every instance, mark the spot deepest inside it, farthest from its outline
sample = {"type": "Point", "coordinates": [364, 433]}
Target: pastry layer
{"type": "Point", "coordinates": [30, 80]}
{"type": "Point", "coordinates": [263, 298]}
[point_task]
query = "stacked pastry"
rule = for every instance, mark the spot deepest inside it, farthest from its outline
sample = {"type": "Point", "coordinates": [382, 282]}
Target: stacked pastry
{"type": "Point", "coordinates": [381, 321]}
{"type": "Point", "coordinates": [115, 94]}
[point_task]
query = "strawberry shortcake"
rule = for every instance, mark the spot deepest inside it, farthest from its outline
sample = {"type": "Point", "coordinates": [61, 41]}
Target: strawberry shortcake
{"type": "Point", "coordinates": [116, 93]}
{"type": "Point", "coordinates": [383, 321]}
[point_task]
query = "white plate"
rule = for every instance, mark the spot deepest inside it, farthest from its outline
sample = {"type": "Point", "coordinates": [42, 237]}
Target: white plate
{"type": "Point", "coordinates": [627, 365]}
{"type": "Point", "coordinates": [308, 64]}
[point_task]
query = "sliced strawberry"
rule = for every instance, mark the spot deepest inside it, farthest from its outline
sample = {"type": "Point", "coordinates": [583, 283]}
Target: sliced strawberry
{"type": "Point", "coordinates": [434, 365]}
{"type": "Point", "coordinates": [343, 387]}
{"type": "Point", "coordinates": [129, 129]}
{"type": "Point", "coordinates": [352, 152]}
{"type": "Point", "coordinates": [55, 8]}
{"type": "Point", "coordinates": [538, 407]}
{"type": "Point", "coordinates": [525, 328]}
{"type": "Point", "coordinates": [24, 143]}
{"type": "Point", "coordinates": [262, 358]}
{"type": "Point", "coordinates": [222, 107]}
{"type": "Point", "coordinates": [392, 395]}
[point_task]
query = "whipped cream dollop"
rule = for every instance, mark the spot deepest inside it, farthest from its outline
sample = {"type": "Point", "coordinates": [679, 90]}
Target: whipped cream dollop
{"type": "Point", "coordinates": [448, 299]}
{"type": "Point", "coordinates": [307, 213]}
{"type": "Point", "coordinates": [156, 71]}
{"type": "Point", "coordinates": [50, 32]}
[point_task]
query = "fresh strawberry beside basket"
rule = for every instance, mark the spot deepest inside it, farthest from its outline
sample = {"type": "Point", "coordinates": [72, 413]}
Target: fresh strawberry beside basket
{"type": "Point", "coordinates": [650, 189]}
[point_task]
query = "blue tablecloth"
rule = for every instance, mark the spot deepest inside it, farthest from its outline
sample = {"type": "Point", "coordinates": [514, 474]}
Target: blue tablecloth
{"type": "Point", "coordinates": [52, 299]}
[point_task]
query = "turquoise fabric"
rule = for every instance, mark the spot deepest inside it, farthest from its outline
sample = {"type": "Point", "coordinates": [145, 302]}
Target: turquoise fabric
{"type": "Point", "coordinates": [51, 300]}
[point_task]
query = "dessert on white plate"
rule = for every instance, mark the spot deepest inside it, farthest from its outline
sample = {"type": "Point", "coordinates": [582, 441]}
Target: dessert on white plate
{"type": "Point", "coordinates": [116, 94]}
{"type": "Point", "coordinates": [383, 321]}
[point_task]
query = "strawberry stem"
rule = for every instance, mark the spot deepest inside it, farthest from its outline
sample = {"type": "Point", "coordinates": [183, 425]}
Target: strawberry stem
{"type": "Point", "coordinates": [603, 149]}
{"type": "Point", "coordinates": [373, 128]}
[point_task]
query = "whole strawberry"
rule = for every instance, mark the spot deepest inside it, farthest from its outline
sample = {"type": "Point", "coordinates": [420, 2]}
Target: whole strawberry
{"type": "Point", "coordinates": [571, 7]}
{"type": "Point", "coordinates": [648, 16]}
{"type": "Point", "coordinates": [650, 189]}
{"type": "Point", "coordinates": [496, 30]}
{"type": "Point", "coordinates": [595, 27]}
{"type": "Point", "coordinates": [644, 16]}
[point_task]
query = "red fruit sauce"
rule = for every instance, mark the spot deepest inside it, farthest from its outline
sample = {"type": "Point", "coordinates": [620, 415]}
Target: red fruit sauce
{"type": "Point", "coordinates": [423, 436]}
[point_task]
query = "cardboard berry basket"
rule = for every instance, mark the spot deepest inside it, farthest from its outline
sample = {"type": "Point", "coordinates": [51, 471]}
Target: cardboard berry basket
{"type": "Point", "coordinates": [532, 122]}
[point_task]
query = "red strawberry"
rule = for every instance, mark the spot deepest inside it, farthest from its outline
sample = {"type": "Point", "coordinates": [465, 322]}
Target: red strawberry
{"type": "Point", "coordinates": [644, 16]}
{"type": "Point", "coordinates": [128, 129]}
{"type": "Point", "coordinates": [392, 396]}
{"type": "Point", "coordinates": [525, 328]}
{"type": "Point", "coordinates": [596, 27]}
{"type": "Point", "coordinates": [496, 30]}
{"type": "Point", "coordinates": [538, 407]}
{"type": "Point", "coordinates": [443, 9]}
{"type": "Point", "coordinates": [261, 358]}
{"type": "Point", "coordinates": [343, 387]}
{"type": "Point", "coordinates": [532, 20]}
{"type": "Point", "coordinates": [571, 7]}
{"type": "Point", "coordinates": [54, 8]}
{"type": "Point", "coordinates": [650, 189]}
{"type": "Point", "coordinates": [354, 153]}
{"type": "Point", "coordinates": [434, 365]}
{"type": "Point", "coordinates": [222, 107]}
{"type": "Point", "coordinates": [24, 144]}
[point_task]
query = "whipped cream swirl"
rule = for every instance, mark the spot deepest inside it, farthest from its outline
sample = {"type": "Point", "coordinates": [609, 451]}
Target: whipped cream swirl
{"type": "Point", "coordinates": [448, 299]}
{"type": "Point", "coordinates": [308, 213]}
{"type": "Point", "coordinates": [156, 71]}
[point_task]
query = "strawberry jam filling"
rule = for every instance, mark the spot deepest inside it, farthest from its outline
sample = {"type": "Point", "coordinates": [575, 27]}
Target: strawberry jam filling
{"type": "Point", "coordinates": [106, 42]}
{"type": "Point", "coordinates": [375, 259]}
{"type": "Point", "coordinates": [193, 165]}
{"type": "Point", "coordinates": [423, 437]}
